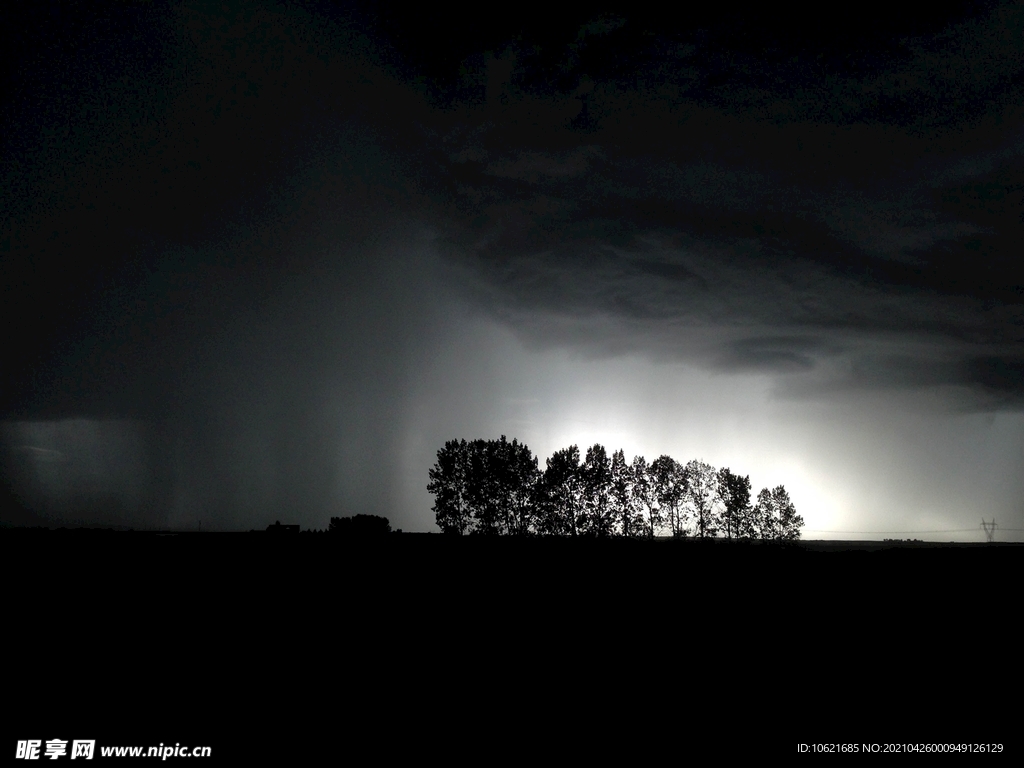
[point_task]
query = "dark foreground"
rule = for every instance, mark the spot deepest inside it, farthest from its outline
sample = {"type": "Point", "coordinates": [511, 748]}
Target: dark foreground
{"type": "Point", "coordinates": [415, 646]}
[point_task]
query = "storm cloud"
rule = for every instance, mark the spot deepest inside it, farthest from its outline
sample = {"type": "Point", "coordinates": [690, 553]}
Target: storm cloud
{"type": "Point", "coordinates": [273, 255]}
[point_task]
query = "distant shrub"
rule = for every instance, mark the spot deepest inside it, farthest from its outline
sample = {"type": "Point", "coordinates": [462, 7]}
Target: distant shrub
{"type": "Point", "coordinates": [360, 525]}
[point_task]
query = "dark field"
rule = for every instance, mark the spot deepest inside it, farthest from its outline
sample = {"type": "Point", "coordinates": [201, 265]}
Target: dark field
{"type": "Point", "coordinates": [416, 645]}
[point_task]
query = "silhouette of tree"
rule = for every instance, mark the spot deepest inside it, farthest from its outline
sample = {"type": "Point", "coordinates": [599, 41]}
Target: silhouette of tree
{"type": "Point", "coordinates": [495, 487]}
{"type": "Point", "coordinates": [598, 518]}
{"type": "Point", "coordinates": [502, 478]}
{"type": "Point", "coordinates": [701, 496]}
{"type": "Point", "coordinates": [523, 476]}
{"type": "Point", "coordinates": [481, 492]}
{"type": "Point", "coordinates": [734, 491]}
{"type": "Point", "coordinates": [670, 484]}
{"type": "Point", "coordinates": [790, 522]}
{"type": "Point", "coordinates": [449, 483]}
{"type": "Point", "coordinates": [775, 516]}
{"type": "Point", "coordinates": [625, 506]}
{"type": "Point", "coordinates": [645, 492]}
{"type": "Point", "coordinates": [763, 516]}
{"type": "Point", "coordinates": [561, 493]}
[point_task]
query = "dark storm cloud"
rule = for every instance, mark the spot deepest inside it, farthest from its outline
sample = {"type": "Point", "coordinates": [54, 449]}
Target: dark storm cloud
{"type": "Point", "coordinates": [213, 219]}
{"type": "Point", "coordinates": [762, 209]}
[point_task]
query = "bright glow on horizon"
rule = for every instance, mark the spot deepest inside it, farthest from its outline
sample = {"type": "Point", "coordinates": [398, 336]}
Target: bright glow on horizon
{"type": "Point", "coordinates": [848, 467]}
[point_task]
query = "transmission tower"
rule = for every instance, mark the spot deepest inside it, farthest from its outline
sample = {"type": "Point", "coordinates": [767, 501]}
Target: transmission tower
{"type": "Point", "coordinates": [990, 528]}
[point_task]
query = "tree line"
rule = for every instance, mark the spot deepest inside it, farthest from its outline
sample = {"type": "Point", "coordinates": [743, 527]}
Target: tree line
{"type": "Point", "coordinates": [495, 487]}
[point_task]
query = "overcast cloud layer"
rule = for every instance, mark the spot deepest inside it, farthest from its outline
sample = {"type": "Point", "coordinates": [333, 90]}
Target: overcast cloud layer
{"type": "Point", "coordinates": [266, 259]}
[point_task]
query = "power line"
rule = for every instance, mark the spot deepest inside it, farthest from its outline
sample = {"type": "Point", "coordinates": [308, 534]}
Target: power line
{"type": "Point", "coordinates": [990, 528]}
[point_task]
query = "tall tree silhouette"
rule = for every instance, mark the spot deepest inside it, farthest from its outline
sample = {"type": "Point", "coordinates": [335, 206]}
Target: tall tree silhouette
{"type": "Point", "coordinates": [598, 515]}
{"type": "Point", "coordinates": [775, 515]}
{"type": "Point", "coordinates": [625, 506]}
{"type": "Point", "coordinates": [763, 516]}
{"type": "Point", "coordinates": [702, 496]}
{"type": "Point", "coordinates": [483, 493]}
{"type": "Point", "coordinates": [790, 522]}
{"type": "Point", "coordinates": [645, 491]}
{"type": "Point", "coordinates": [734, 491]}
{"type": "Point", "coordinates": [561, 491]}
{"type": "Point", "coordinates": [449, 483]}
{"type": "Point", "coordinates": [503, 475]}
{"type": "Point", "coordinates": [670, 483]}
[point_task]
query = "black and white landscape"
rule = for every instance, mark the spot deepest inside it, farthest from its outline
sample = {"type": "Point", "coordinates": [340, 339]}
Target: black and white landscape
{"type": "Point", "coordinates": [272, 266]}
{"type": "Point", "coordinates": [263, 260]}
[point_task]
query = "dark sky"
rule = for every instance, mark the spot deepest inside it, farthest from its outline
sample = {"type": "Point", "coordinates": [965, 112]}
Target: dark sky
{"type": "Point", "coordinates": [261, 260]}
